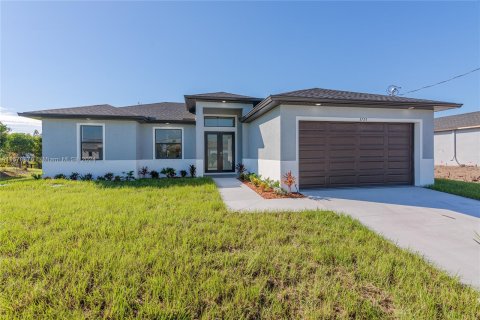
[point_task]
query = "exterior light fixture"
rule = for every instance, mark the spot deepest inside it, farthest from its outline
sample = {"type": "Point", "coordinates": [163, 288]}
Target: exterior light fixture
{"type": "Point", "coordinates": [318, 104]}
{"type": "Point", "coordinates": [224, 101]}
{"type": "Point", "coordinates": [167, 122]}
{"type": "Point", "coordinates": [410, 108]}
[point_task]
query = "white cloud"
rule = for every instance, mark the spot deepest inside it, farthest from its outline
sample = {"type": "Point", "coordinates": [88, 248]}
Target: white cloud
{"type": "Point", "coordinates": [19, 124]}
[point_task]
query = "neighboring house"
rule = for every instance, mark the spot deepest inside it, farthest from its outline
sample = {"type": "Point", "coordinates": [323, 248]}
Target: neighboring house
{"type": "Point", "coordinates": [326, 138]}
{"type": "Point", "coordinates": [457, 139]}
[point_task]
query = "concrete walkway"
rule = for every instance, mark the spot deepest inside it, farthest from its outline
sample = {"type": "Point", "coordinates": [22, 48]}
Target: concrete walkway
{"type": "Point", "coordinates": [438, 225]}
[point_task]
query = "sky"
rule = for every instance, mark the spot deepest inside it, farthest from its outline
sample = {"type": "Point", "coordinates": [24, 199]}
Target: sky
{"type": "Point", "coordinates": [65, 54]}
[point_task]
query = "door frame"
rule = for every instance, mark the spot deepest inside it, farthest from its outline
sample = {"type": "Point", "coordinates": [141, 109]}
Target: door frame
{"type": "Point", "coordinates": [219, 156]}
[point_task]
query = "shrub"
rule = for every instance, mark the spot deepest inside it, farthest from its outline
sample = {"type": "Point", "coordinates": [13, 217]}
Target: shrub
{"type": "Point", "coordinates": [117, 178]}
{"type": "Point", "coordinates": [263, 186]}
{"type": "Point", "coordinates": [143, 172]}
{"type": "Point", "coordinates": [60, 176]}
{"type": "Point", "coordinates": [74, 176]}
{"type": "Point", "coordinates": [129, 176]}
{"type": "Point", "coordinates": [193, 170]}
{"type": "Point", "coordinates": [183, 173]}
{"type": "Point", "coordinates": [109, 176]}
{"type": "Point", "coordinates": [279, 191]}
{"type": "Point", "coordinates": [36, 176]}
{"type": "Point", "coordinates": [154, 174]}
{"type": "Point", "coordinates": [169, 172]}
{"type": "Point", "coordinates": [101, 178]}
{"type": "Point", "coordinates": [86, 177]}
{"type": "Point", "coordinates": [240, 169]}
{"type": "Point", "coordinates": [289, 180]}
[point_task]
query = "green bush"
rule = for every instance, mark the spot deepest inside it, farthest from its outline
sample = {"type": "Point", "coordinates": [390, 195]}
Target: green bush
{"type": "Point", "coordinates": [168, 172]}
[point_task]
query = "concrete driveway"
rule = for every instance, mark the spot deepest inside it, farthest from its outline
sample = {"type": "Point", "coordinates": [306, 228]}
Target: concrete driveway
{"type": "Point", "coordinates": [438, 225]}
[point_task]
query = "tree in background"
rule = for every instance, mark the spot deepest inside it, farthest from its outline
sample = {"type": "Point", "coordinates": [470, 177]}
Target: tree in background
{"type": "Point", "coordinates": [4, 130]}
{"type": "Point", "coordinates": [21, 144]}
{"type": "Point", "coordinates": [14, 146]}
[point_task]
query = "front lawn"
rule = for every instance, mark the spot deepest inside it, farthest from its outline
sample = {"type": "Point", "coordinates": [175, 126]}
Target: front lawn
{"type": "Point", "coordinates": [460, 188]}
{"type": "Point", "coordinates": [168, 249]}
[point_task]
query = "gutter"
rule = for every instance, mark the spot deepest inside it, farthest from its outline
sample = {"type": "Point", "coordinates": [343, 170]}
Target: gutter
{"type": "Point", "coordinates": [272, 101]}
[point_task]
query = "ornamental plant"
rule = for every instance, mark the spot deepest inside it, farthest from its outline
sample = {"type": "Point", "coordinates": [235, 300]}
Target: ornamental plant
{"type": "Point", "coordinates": [289, 180]}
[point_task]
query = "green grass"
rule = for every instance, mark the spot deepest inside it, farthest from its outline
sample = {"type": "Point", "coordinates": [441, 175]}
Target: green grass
{"type": "Point", "coordinates": [168, 249]}
{"type": "Point", "coordinates": [460, 188]}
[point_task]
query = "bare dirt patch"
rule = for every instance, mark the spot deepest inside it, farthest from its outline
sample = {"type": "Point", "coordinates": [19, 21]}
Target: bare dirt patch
{"type": "Point", "coordinates": [466, 173]}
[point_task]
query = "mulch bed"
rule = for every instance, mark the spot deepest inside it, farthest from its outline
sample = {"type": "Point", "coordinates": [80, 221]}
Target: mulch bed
{"type": "Point", "coordinates": [271, 194]}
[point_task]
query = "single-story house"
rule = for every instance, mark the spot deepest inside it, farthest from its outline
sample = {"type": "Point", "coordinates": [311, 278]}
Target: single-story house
{"type": "Point", "coordinates": [457, 140]}
{"type": "Point", "coordinates": [326, 138]}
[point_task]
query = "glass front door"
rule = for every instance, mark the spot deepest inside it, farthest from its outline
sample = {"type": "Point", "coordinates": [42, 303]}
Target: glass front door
{"type": "Point", "coordinates": [219, 152]}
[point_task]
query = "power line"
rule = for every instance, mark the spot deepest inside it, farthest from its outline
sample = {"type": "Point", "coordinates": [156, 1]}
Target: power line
{"type": "Point", "coordinates": [436, 84]}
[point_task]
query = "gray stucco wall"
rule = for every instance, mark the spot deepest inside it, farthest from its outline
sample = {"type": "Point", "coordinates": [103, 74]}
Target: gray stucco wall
{"type": "Point", "coordinates": [262, 139]}
{"type": "Point", "coordinates": [60, 138]}
{"type": "Point", "coordinates": [290, 112]}
{"type": "Point", "coordinates": [145, 139]}
{"type": "Point", "coordinates": [467, 147]}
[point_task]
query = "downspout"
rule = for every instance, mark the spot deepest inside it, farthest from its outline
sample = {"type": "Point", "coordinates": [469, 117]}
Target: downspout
{"type": "Point", "coordinates": [455, 147]}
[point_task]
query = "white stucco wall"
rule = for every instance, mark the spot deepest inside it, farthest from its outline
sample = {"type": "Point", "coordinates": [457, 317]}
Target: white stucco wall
{"type": "Point", "coordinates": [468, 147]}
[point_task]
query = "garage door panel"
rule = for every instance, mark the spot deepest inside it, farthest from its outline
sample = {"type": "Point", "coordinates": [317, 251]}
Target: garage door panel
{"type": "Point", "coordinates": [342, 141]}
{"type": "Point", "coordinates": [370, 127]}
{"type": "Point", "coordinates": [313, 167]}
{"type": "Point", "coordinates": [341, 127]}
{"type": "Point", "coordinates": [398, 141]}
{"type": "Point", "coordinates": [315, 141]}
{"type": "Point", "coordinates": [341, 153]}
{"type": "Point", "coordinates": [398, 127]}
{"type": "Point", "coordinates": [342, 165]}
{"type": "Point", "coordinates": [371, 140]}
{"type": "Point", "coordinates": [380, 152]}
{"type": "Point", "coordinates": [405, 152]}
{"type": "Point", "coordinates": [313, 125]}
{"type": "Point", "coordinates": [312, 133]}
{"type": "Point", "coordinates": [371, 179]}
{"type": "Point", "coordinates": [312, 154]}
{"type": "Point", "coordinates": [355, 154]}
{"type": "Point", "coordinates": [342, 180]}
{"type": "Point", "coordinates": [363, 165]}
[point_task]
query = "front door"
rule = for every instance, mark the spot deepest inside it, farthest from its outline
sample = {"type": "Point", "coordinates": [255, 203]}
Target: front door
{"type": "Point", "coordinates": [219, 152]}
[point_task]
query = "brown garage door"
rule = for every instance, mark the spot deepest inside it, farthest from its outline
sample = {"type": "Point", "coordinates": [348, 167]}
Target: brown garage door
{"type": "Point", "coordinates": [335, 154]}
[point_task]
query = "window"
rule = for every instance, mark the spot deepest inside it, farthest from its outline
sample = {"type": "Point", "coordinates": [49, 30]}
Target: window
{"type": "Point", "coordinates": [91, 142]}
{"type": "Point", "coordinates": [168, 143]}
{"type": "Point", "coordinates": [219, 122]}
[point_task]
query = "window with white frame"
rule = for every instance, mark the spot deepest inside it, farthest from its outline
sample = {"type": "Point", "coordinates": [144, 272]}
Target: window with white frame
{"type": "Point", "coordinates": [168, 143]}
{"type": "Point", "coordinates": [91, 142]}
{"type": "Point", "coordinates": [210, 121]}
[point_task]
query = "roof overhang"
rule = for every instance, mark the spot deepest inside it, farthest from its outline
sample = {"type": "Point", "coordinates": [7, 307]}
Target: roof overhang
{"type": "Point", "coordinates": [39, 116]}
{"type": "Point", "coordinates": [273, 101]}
{"type": "Point", "coordinates": [191, 101]}
{"type": "Point", "coordinates": [458, 128]}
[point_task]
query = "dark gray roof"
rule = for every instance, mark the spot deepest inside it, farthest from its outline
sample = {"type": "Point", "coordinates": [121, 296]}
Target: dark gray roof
{"type": "Point", "coordinates": [163, 111]}
{"type": "Point", "coordinates": [344, 98]}
{"type": "Point", "coordinates": [221, 95]}
{"type": "Point", "coordinates": [190, 100]}
{"type": "Point", "coordinates": [95, 111]}
{"type": "Point", "coordinates": [329, 94]}
{"type": "Point", "coordinates": [154, 112]}
{"type": "Point", "coordinates": [465, 120]}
